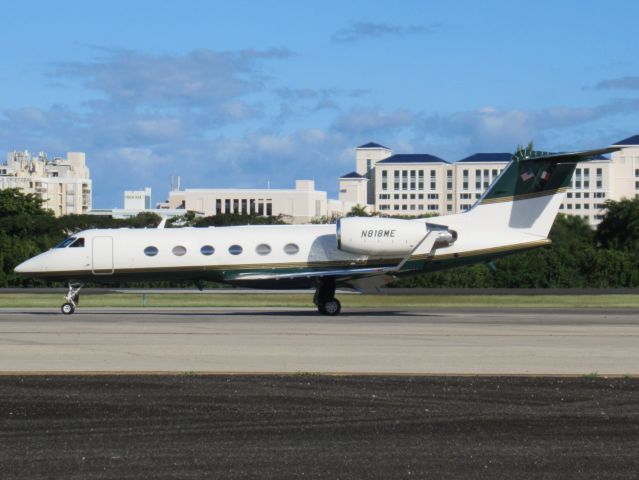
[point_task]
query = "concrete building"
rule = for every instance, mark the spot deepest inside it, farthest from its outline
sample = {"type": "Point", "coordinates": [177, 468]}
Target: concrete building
{"type": "Point", "coordinates": [137, 199]}
{"type": "Point", "coordinates": [64, 184]}
{"type": "Point", "coordinates": [136, 202]}
{"type": "Point", "coordinates": [300, 205]}
{"type": "Point", "coordinates": [415, 184]}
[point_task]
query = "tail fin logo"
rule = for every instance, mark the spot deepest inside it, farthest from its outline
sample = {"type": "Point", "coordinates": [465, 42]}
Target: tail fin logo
{"type": "Point", "coordinates": [527, 175]}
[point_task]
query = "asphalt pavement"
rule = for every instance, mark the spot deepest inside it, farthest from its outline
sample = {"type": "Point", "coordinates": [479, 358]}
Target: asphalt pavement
{"type": "Point", "coordinates": [310, 426]}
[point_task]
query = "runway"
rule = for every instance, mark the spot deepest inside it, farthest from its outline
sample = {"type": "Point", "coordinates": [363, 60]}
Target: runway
{"type": "Point", "coordinates": [280, 340]}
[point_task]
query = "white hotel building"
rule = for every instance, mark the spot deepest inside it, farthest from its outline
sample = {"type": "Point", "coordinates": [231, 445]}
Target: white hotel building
{"type": "Point", "coordinates": [414, 184]}
{"type": "Point", "coordinates": [64, 184]}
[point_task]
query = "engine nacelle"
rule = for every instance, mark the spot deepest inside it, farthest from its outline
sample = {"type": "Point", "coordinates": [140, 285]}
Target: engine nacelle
{"type": "Point", "coordinates": [379, 236]}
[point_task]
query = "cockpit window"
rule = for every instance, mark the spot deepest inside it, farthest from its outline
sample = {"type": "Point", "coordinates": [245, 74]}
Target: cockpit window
{"type": "Point", "coordinates": [78, 243]}
{"type": "Point", "coordinates": [65, 243]}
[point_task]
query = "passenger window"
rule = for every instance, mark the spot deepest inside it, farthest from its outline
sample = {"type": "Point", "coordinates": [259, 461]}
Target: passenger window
{"type": "Point", "coordinates": [235, 249]}
{"type": "Point", "coordinates": [291, 248]}
{"type": "Point", "coordinates": [207, 250]}
{"type": "Point", "coordinates": [150, 251]}
{"type": "Point", "coordinates": [78, 243]}
{"type": "Point", "coordinates": [263, 249]}
{"type": "Point", "coordinates": [179, 250]}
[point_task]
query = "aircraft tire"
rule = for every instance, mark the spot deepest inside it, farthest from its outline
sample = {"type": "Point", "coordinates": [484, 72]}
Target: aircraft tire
{"type": "Point", "coordinates": [67, 308]}
{"type": "Point", "coordinates": [330, 307]}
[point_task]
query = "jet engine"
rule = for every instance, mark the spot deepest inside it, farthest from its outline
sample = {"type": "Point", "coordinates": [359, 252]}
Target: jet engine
{"type": "Point", "coordinates": [387, 236]}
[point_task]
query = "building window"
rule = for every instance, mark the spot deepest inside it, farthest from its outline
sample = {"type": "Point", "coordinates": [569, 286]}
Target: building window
{"type": "Point", "coordinates": [235, 249]}
{"type": "Point", "coordinates": [150, 251]}
{"type": "Point", "coordinates": [412, 196]}
{"type": "Point", "coordinates": [586, 178]}
{"type": "Point", "coordinates": [263, 249]}
{"type": "Point", "coordinates": [433, 196]}
{"type": "Point", "coordinates": [269, 209]}
{"type": "Point", "coordinates": [384, 180]}
{"type": "Point", "coordinates": [396, 180]}
{"type": "Point", "coordinates": [252, 206]}
{"type": "Point", "coordinates": [433, 207]}
{"type": "Point", "coordinates": [291, 248]}
{"type": "Point", "coordinates": [396, 196]}
{"type": "Point", "coordinates": [179, 250]}
{"type": "Point", "coordinates": [600, 177]}
{"type": "Point", "coordinates": [433, 179]}
{"type": "Point", "coordinates": [578, 179]}
{"type": "Point", "coordinates": [477, 179]}
{"type": "Point", "coordinates": [495, 173]}
{"type": "Point", "coordinates": [420, 180]}
{"type": "Point", "coordinates": [227, 205]}
{"type": "Point", "coordinates": [404, 207]}
{"type": "Point", "coordinates": [236, 205]}
{"type": "Point", "coordinates": [207, 250]}
{"type": "Point", "coordinates": [404, 196]}
{"type": "Point", "coordinates": [420, 196]}
{"type": "Point", "coordinates": [260, 208]}
{"type": "Point", "coordinates": [218, 206]}
{"type": "Point", "coordinates": [578, 195]}
{"type": "Point", "coordinates": [486, 179]}
{"type": "Point", "coordinates": [404, 179]}
{"type": "Point", "coordinates": [412, 180]}
{"type": "Point", "coordinates": [449, 179]}
{"type": "Point", "coordinates": [369, 167]}
{"type": "Point", "coordinates": [449, 208]}
{"type": "Point", "coordinates": [465, 180]}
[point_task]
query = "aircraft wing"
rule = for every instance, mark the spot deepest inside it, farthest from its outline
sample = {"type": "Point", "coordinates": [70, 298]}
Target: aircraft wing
{"type": "Point", "coordinates": [361, 278]}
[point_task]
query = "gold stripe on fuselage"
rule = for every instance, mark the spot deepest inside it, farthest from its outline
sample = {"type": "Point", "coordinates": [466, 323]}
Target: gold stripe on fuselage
{"type": "Point", "coordinates": [386, 262]}
{"type": "Point", "coordinates": [523, 196]}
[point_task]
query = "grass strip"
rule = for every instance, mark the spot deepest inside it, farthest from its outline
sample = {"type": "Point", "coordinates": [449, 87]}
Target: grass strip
{"type": "Point", "coordinates": [295, 300]}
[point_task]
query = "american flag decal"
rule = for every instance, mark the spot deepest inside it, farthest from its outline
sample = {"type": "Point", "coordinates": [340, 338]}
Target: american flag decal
{"type": "Point", "coordinates": [527, 175]}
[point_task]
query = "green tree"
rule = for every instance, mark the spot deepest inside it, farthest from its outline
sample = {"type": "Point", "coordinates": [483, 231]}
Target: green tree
{"type": "Point", "coordinates": [358, 211]}
{"type": "Point", "coordinates": [619, 229]}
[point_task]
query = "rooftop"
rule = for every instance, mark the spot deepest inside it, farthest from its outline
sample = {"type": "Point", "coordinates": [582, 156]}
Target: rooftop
{"type": "Point", "coordinates": [413, 158]}
{"type": "Point", "coordinates": [634, 140]}
{"type": "Point", "coordinates": [373, 145]}
{"type": "Point", "coordinates": [488, 157]}
{"type": "Point", "coordinates": [352, 175]}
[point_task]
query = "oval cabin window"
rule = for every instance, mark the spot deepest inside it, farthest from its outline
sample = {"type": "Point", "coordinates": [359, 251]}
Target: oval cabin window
{"type": "Point", "coordinates": [235, 249]}
{"type": "Point", "coordinates": [179, 250]}
{"type": "Point", "coordinates": [150, 251]}
{"type": "Point", "coordinates": [207, 250]}
{"type": "Point", "coordinates": [291, 248]}
{"type": "Point", "coordinates": [263, 249]}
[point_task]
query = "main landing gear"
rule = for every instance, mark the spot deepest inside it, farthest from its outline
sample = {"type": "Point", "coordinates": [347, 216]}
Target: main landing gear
{"type": "Point", "coordinates": [72, 299]}
{"type": "Point", "coordinates": [325, 299]}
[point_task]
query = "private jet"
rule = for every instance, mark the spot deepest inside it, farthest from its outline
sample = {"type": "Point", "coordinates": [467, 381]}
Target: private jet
{"type": "Point", "coordinates": [364, 253]}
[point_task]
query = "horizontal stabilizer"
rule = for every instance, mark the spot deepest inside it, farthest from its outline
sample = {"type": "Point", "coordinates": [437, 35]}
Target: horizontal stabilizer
{"type": "Point", "coordinates": [569, 156]}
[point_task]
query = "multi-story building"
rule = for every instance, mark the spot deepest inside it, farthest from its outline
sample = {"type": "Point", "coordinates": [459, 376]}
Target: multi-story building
{"type": "Point", "coordinates": [415, 184]}
{"type": "Point", "coordinates": [300, 205]}
{"type": "Point", "coordinates": [64, 184]}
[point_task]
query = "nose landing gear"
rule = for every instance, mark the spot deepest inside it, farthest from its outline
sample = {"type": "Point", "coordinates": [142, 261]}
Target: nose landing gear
{"type": "Point", "coordinates": [72, 299]}
{"type": "Point", "coordinates": [325, 299]}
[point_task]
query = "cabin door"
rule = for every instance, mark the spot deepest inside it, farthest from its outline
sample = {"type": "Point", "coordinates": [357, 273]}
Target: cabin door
{"type": "Point", "coordinates": [102, 255]}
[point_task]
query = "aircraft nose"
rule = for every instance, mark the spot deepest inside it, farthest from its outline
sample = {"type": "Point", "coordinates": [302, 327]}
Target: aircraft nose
{"type": "Point", "coordinates": [28, 266]}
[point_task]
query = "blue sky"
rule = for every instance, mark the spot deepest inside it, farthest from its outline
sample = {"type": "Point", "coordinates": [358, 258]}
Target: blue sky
{"type": "Point", "coordinates": [239, 93]}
